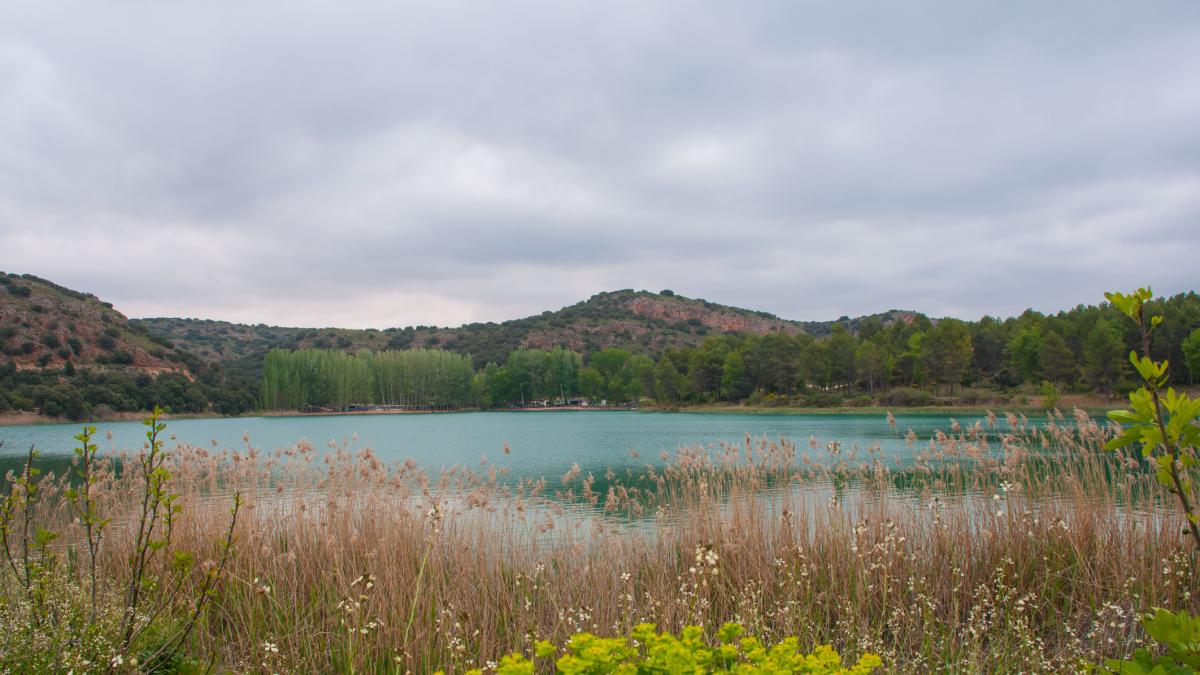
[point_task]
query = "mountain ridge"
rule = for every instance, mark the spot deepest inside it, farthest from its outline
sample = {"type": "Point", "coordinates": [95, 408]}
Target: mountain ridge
{"type": "Point", "coordinates": [641, 321]}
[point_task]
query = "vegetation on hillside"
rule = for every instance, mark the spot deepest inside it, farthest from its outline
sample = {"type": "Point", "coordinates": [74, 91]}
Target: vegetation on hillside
{"type": "Point", "coordinates": [639, 321]}
{"type": "Point", "coordinates": [917, 362]}
{"type": "Point", "coordinates": [67, 354]}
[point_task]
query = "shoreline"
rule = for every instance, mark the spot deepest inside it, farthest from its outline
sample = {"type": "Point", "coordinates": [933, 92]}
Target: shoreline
{"type": "Point", "coordinates": [873, 410]}
{"type": "Point", "coordinates": [1092, 407]}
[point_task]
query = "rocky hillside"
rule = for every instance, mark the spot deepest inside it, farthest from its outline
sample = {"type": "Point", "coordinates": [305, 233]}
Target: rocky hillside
{"type": "Point", "coordinates": [640, 321]}
{"type": "Point", "coordinates": [43, 325]}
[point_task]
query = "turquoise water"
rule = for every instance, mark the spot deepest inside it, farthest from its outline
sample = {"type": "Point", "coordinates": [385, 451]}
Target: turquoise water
{"type": "Point", "coordinates": [541, 444]}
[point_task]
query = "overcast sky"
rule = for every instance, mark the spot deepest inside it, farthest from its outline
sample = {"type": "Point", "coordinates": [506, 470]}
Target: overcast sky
{"type": "Point", "coordinates": [361, 164]}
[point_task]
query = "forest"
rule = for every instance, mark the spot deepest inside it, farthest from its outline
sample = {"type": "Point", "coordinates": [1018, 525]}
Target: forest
{"type": "Point", "coordinates": [323, 378]}
{"type": "Point", "coordinates": [908, 361]}
{"type": "Point", "coordinates": [917, 362]}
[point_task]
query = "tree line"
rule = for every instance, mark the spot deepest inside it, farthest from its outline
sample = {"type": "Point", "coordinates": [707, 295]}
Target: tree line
{"type": "Point", "coordinates": [910, 361]}
{"type": "Point", "coordinates": [327, 378]}
{"type": "Point", "coordinates": [907, 361]}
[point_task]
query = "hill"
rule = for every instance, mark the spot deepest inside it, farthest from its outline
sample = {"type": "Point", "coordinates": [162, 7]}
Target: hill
{"type": "Point", "coordinates": [44, 325]}
{"type": "Point", "coordinates": [640, 321]}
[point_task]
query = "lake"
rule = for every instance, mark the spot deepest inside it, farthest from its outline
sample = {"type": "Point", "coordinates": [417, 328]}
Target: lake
{"type": "Point", "coordinates": [542, 444]}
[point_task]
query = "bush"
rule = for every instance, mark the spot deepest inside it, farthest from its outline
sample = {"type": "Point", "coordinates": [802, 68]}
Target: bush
{"type": "Point", "coordinates": [121, 358]}
{"type": "Point", "coordinates": [981, 396]}
{"type": "Point", "coordinates": [651, 652]}
{"type": "Point", "coordinates": [19, 291]}
{"type": "Point", "coordinates": [860, 401]}
{"type": "Point", "coordinates": [19, 402]}
{"type": "Point", "coordinates": [907, 398]}
{"type": "Point", "coordinates": [1050, 395]}
{"type": "Point", "coordinates": [822, 399]}
{"type": "Point", "coordinates": [1178, 632]}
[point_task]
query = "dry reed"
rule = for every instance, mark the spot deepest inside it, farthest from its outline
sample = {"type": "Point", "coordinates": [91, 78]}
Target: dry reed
{"type": "Point", "coordinates": [1002, 547]}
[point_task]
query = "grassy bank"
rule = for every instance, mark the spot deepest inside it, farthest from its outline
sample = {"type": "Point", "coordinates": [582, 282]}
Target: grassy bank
{"type": "Point", "coordinates": [17, 418]}
{"type": "Point", "coordinates": [986, 554]}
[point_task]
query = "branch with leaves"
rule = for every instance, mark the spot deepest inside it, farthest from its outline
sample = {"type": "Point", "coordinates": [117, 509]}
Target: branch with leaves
{"type": "Point", "coordinates": [1162, 421]}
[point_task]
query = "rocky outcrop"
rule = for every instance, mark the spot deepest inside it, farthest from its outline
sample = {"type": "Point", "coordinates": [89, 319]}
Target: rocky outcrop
{"type": "Point", "coordinates": [723, 319]}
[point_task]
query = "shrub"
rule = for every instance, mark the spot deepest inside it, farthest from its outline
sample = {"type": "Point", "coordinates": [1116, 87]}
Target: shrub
{"type": "Point", "coordinates": [1050, 395]}
{"type": "Point", "coordinates": [1178, 632]}
{"type": "Point", "coordinates": [651, 652]}
{"type": "Point", "coordinates": [822, 399]}
{"type": "Point", "coordinates": [121, 358]}
{"type": "Point", "coordinates": [969, 396]}
{"type": "Point", "coordinates": [19, 291]}
{"type": "Point", "coordinates": [907, 398]}
{"type": "Point", "coordinates": [860, 401]}
{"type": "Point", "coordinates": [63, 614]}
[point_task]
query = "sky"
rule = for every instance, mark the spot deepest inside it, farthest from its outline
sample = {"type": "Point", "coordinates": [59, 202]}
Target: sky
{"type": "Point", "coordinates": [378, 164]}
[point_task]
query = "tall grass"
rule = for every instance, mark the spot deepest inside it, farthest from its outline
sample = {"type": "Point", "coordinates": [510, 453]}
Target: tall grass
{"type": "Point", "coordinates": [1003, 546]}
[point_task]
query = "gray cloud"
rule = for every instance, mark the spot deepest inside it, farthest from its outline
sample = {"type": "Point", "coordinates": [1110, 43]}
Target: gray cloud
{"type": "Point", "coordinates": [378, 164]}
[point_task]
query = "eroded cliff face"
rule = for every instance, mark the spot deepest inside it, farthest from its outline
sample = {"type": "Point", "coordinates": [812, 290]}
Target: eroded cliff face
{"type": "Point", "coordinates": [722, 320]}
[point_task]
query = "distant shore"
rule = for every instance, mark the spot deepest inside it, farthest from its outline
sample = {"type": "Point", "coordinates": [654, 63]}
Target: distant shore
{"type": "Point", "coordinates": [1090, 404]}
{"type": "Point", "coordinates": [9, 419]}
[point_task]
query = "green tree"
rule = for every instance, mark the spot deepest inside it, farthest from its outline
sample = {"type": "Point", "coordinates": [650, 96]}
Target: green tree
{"type": "Point", "coordinates": [611, 363]}
{"type": "Point", "coordinates": [946, 352]}
{"type": "Point", "coordinates": [869, 362]}
{"type": "Point", "coordinates": [1102, 356]}
{"type": "Point", "coordinates": [1191, 354]}
{"type": "Point", "coordinates": [1025, 351]}
{"type": "Point", "coordinates": [668, 381]}
{"type": "Point", "coordinates": [706, 366]}
{"type": "Point", "coordinates": [735, 379]}
{"type": "Point", "coordinates": [591, 383]}
{"type": "Point", "coordinates": [988, 338]}
{"type": "Point", "coordinates": [641, 379]}
{"type": "Point", "coordinates": [1056, 359]}
{"type": "Point", "coordinates": [841, 348]}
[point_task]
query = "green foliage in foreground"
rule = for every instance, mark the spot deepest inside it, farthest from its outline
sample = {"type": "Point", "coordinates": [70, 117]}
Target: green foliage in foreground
{"type": "Point", "coordinates": [648, 651]}
{"type": "Point", "coordinates": [1165, 426]}
{"type": "Point", "coordinates": [1179, 633]}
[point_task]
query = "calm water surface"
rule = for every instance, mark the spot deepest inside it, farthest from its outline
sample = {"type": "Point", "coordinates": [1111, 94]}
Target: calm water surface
{"type": "Point", "coordinates": [541, 444]}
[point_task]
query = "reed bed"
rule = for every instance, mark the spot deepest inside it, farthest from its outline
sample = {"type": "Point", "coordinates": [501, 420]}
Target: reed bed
{"type": "Point", "coordinates": [1003, 546]}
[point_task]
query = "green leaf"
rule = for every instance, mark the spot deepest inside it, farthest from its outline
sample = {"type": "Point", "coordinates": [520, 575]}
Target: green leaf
{"type": "Point", "coordinates": [42, 537]}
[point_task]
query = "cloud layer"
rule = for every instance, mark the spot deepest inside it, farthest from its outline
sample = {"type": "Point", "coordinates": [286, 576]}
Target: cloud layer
{"type": "Point", "coordinates": [378, 164]}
